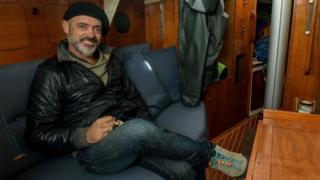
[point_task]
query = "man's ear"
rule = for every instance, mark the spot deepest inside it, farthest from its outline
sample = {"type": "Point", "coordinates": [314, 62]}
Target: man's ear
{"type": "Point", "coordinates": [65, 26]}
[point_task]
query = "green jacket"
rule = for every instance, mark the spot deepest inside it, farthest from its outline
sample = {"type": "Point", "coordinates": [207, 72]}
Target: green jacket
{"type": "Point", "coordinates": [202, 25]}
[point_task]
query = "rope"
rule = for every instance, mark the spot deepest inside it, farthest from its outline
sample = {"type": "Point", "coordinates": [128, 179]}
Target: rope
{"type": "Point", "coordinates": [12, 140]}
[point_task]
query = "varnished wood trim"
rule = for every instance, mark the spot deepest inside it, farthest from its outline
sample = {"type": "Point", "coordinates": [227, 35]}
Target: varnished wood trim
{"type": "Point", "coordinates": [231, 140]}
{"type": "Point", "coordinates": [254, 153]}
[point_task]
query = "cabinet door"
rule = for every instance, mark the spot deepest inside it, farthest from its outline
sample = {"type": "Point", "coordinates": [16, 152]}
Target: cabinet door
{"type": "Point", "coordinates": [303, 66]}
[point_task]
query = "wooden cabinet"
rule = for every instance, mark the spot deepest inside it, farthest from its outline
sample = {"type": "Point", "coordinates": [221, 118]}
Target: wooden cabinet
{"type": "Point", "coordinates": [303, 66]}
{"type": "Point", "coordinates": [257, 88]}
{"type": "Point", "coordinates": [227, 101]}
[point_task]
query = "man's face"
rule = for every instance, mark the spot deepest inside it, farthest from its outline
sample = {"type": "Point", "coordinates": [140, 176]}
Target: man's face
{"type": "Point", "coordinates": [83, 34]}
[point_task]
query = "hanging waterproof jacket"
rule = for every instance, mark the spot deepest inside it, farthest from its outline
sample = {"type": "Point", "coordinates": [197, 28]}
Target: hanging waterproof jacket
{"type": "Point", "coordinates": [202, 24]}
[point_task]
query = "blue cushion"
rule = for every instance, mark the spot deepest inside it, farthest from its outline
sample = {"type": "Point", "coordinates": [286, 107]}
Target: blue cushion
{"type": "Point", "coordinates": [67, 168]}
{"type": "Point", "coordinates": [188, 121]}
{"type": "Point", "coordinates": [8, 166]}
{"type": "Point", "coordinates": [141, 73]}
{"type": "Point", "coordinates": [164, 63]}
{"type": "Point", "coordinates": [124, 53]}
{"type": "Point", "coordinates": [15, 81]}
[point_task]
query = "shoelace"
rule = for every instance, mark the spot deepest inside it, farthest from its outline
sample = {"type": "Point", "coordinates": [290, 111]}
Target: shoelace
{"type": "Point", "coordinates": [12, 140]}
{"type": "Point", "coordinates": [221, 159]}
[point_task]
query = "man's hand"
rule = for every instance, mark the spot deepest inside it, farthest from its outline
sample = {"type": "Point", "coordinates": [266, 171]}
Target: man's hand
{"type": "Point", "coordinates": [100, 128]}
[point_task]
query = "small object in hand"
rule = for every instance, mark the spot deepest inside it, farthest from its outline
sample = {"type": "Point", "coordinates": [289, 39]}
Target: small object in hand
{"type": "Point", "coordinates": [117, 124]}
{"type": "Point", "coordinates": [19, 157]}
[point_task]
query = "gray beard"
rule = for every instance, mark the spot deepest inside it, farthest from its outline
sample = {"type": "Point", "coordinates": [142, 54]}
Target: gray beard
{"type": "Point", "coordinates": [84, 50]}
{"type": "Point", "coordinates": [87, 52]}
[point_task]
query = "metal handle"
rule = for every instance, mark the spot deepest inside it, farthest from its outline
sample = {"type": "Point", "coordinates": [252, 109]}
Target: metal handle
{"type": "Point", "coordinates": [311, 23]}
{"type": "Point", "coordinates": [309, 17]}
{"type": "Point", "coordinates": [253, 17]}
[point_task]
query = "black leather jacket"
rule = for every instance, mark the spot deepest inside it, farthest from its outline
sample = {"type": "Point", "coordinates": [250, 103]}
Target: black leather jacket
{"type": "Point", "coordinates": [66, 97]}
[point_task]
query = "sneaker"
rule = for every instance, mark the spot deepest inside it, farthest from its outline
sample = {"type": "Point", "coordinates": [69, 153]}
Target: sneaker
{"type": "Point", "coordinates": [230, 163]}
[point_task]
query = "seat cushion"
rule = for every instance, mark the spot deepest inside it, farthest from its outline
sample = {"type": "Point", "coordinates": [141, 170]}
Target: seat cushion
{"type": "Point", "coordinates": [188, 121]}
{"type": "Point", "coordinates": [8, 166]}
{"type": "Point", "coordinates": [67, 168]}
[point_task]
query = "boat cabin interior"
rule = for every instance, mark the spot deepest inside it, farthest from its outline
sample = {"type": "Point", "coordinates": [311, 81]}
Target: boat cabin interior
{"type": "Point", "coordinates": [242, 73]}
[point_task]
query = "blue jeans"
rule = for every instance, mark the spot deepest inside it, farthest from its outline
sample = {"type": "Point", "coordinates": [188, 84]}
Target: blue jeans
{"type": "Point", "coordinates": [168, 154]}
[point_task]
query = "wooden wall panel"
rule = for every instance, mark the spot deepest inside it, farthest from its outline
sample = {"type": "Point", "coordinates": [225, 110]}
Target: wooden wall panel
{"type": "Point", "coordinates": [53, 14]}
{"type": "Point", "coordinates": [303, 66]}
{"type": "Point", "coordinates": [218, 100]}
{"type": "Point", "coordinates": [220, 113]}
{"type": "Point", "coordinates": [14, 32]}
{"type": "Point", "coordinates": [171, 22]}
{"type": "Point", "coordinates": [35, 27]}
{"type": "Point", "coordinates": [136, 34]}
{"type": "Point", "coordinates": [243, 55]}
{"type": "Point", "coordinates": [32, 30]}
{"type": "Point", "coordinates": [36, 36]}
{"type": "Point", "coordinates": [227, 101]}
{"type": "Point", "coordinates": [227, 53]}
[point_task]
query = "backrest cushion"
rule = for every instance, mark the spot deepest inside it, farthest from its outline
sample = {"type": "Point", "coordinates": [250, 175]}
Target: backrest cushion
{"type": "Point", "coordinates": [155, 75]}
{"type": "Point", "coordinates": [125, 52]}
{"type": "Point", "coordinates": [15, 81]}
{"type": "Point", "coordinates": [140, 72]}
{"type": "Point", "coordinates": [164, 63]}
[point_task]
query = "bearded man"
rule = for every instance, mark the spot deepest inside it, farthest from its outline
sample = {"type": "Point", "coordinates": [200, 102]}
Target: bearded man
{"type": "Point", "coordinates": [82, 103]}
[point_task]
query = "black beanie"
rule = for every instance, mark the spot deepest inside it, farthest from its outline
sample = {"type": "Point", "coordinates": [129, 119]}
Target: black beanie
{"type": "Point", "coordinates": [88, 9]}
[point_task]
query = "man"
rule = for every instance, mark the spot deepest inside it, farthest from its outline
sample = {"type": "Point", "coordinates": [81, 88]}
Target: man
{"type": "Point", "coordinates": [81, 102]}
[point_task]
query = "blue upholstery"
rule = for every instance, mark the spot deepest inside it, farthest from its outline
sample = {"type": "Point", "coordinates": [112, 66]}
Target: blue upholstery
{"type": "Point", "coordinates": [66, 168]}
{"type": "Point", "coordinates": [15, 81]}
{"type": "Point", "coordinates": [8, 166]}
{"type": "Point", "coordinates": [147, 69]}
{"type": "Point", "coordinates": [188, 121]}
{"type": "Point", "coordinates": [124, 53]}
{"type": "Point", "coordinates": [164, 64]}
{"type": "Point", "coordinates": [146, 81]}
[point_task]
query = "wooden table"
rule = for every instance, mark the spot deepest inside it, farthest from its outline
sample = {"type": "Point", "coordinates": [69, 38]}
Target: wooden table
{"type": "Point", "coordinates": [286, 147]}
